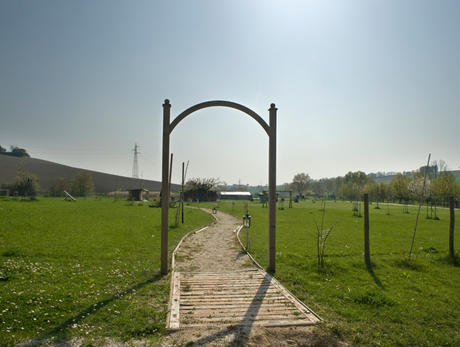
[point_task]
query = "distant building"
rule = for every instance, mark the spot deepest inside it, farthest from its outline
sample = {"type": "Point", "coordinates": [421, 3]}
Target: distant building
{"type": "Point", "coordinates": [235, 196]}
{"type": "Point", "coordinates": [136, 194]}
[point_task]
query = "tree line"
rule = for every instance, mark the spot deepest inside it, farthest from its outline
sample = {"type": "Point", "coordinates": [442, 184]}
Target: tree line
{"type": "Point", "coordinates": [15, 152]}
{"type": "Point", "coordinates": [440, 185]}
{"type": "Point", "coordinates": [27, 185]}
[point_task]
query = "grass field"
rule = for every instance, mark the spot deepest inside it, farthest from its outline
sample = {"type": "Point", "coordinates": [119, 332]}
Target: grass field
{"type": "Point", "coordinates": [394, 303]}
{"type": "Point", "coordinates": [88, 269]}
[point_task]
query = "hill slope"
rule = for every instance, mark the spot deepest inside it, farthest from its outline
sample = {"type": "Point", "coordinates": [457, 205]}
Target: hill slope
{"type": "Point", "coordinates": [48, 172]}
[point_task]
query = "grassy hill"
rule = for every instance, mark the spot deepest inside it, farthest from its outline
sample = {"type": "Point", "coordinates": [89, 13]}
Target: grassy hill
{"type": "Point", "coordinates": [48, 172]}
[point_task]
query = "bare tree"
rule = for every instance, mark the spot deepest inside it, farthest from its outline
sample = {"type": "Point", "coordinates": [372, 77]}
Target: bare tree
{"type": "Point", "coordinates": [301, 183]}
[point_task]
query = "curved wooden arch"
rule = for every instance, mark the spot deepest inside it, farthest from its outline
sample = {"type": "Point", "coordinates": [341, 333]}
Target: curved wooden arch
{"type": "Point", "coordinates": [270, 129]}
{"type": "Point", "coordinates": [222, 103]}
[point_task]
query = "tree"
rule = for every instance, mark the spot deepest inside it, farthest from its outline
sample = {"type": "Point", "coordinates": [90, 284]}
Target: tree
{"type": "Point", "coordinates": [372, 189]}
{"type": "Point", "coordinates": [82, 184]}
{"type": "Point", "coordinates": [301, 183]}
{"type": "Point", "coordinates": [26, 184]}
{"type": "Point", "coordinates": [2, 150]}
{"type": "Point", "coordinates": [203, 189]}
{"type": "Point", "coordinates": [19, 152]}
{"type": "Point", "coordinates": [444, 186]}
{"type": "Point", "coordinates": [420, 185]}
{"type": "Point", "coordinates": [400, 187]}
{"type": "Point", "coordinates": [57, 189]}
{"type": "Point", "coordinates": [353, 186]}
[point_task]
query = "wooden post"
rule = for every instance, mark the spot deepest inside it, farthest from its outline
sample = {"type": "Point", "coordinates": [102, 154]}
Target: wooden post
{"type": "Point", "coordinates": [165, 189]}
{"type": "Point", "coordinates": [272, 191]}
{"type": "Point", "coordinates": [182, 193]}
{"type": "Point", "coordinates": [451, 227]}
{"type": "Point", "coordinates": [367, 256]}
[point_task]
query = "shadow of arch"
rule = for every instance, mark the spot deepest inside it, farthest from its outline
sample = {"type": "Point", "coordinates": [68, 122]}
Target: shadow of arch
{"type": "Point", "coordinates": [244, 327]}
{"type": "Point", "coordinates": [90, 309]}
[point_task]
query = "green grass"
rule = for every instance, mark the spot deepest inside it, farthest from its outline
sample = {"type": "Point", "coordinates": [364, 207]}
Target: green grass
{"type": "Point", "coordinates": [88, 269]}
{"type": "Point", "coordinates": [394, 302]}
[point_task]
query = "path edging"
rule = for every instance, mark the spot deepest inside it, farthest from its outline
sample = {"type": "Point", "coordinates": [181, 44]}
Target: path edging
{"type": "Point", "coordinates": [175, 284]}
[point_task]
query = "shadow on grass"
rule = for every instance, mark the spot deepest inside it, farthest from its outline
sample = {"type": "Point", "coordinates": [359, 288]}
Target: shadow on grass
{"type": "Point", "coordinates": [409, 264]}
{"type": "Point", "coordinates": [60, 329]}
{"type": "Point", "coordinates": [455, 260]}
{"type": "Point", "coordinates": [376, 279]}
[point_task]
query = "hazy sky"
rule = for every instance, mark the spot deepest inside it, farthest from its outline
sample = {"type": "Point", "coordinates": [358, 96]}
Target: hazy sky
{"type": "Point", "coordinates": [359, 85]}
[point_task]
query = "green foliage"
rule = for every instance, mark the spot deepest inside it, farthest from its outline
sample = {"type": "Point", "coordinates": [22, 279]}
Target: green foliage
{"type": "Point", "coordinates": [15, 152]}
{"type": "Point", "coordinates": [202, 189]}
{"type": "Point", "coordinates": [57, 189]}
{"type": "Point", "coordinates": [88, 270]}
{"type": "Point", "coordinates": [394, 302]}
{"type": "Point", "coordinates": [444, 186]}
{"type": "Point", "coordinates": [82, 184]}
{"type": "Point", "coordinates": [354, 183]}
{"type": "Point", "coordinates": [26, 184]}
{"type": "Point", "coordinates": [400, 187]}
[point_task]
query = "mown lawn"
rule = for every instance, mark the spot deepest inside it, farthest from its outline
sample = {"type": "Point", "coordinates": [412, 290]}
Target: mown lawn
{"type": "Point", "coordinates": [88, 269]}
{"type": "Point", "coordinates": [394, 302]}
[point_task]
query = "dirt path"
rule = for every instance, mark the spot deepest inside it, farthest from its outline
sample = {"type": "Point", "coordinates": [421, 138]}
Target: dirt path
{"type": "Point", "coordinates": [215, 249]}
{"type": "Point", "coordinates": [225, 300]}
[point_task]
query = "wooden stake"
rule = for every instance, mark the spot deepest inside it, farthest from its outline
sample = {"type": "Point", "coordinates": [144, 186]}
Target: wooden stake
{"type": "Point", "coordinates": [419, 207]}
{"type": "Point", "coordinates": [367, 255]}
{"type": "Point", "coordinates": [182, 193]}
{"type": "Point", "coordinates": [451, 227]}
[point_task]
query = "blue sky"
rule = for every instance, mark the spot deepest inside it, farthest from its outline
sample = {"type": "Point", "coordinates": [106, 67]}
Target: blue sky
{"type": "Point", "coordinates": [359, 85]}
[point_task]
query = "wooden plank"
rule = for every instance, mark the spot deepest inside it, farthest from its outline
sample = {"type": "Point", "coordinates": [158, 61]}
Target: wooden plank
{"type": "Point", "coordinates": [236, 307]}
{"type": "Point", "coordinates": [254, 318]}
{"type": "Point", "coordinates": [174, 315]}
{"type": "Point", "coordinates": [264, 323]}
{"type": "Point", "coordinates": [212, 293]}
{"type": "Point", "coordinates": [240, 314]}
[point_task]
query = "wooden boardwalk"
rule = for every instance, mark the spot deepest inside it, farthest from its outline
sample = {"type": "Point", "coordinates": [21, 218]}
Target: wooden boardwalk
{"type": "Point", "coordinates": [217, 285]}
{"type": "Point", "coordinates": [243, 298]}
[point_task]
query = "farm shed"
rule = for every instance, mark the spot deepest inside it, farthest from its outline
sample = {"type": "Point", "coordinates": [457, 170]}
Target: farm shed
{"type": "Point", "coordinates": [136, 194]}
{"type": "Point", "coordinates": [235, 196]}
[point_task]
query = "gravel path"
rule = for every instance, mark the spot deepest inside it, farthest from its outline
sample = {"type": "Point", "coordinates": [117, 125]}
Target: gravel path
{"type": "Point", "coordinates": [205, 260]}
{"type": "Point", "coordinates": [215, 249]}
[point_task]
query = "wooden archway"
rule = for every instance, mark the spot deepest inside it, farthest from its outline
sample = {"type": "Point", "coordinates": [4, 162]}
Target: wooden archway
{"type": "Point", "coordinates": [270, 129]}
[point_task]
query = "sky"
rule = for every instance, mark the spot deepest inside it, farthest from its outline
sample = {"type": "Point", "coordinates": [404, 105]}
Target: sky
{"type": "Point", "coordinates": [359, 85]}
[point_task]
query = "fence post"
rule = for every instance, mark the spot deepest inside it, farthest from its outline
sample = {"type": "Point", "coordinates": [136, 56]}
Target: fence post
{"type": "Point", "coordinates": [367, 256]}
{"type": "Point", "coordinates": [451, 226]}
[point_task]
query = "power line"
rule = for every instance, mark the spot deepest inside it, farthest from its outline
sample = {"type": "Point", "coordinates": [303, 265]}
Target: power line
{"type": "Point", "coordinates": [135, 164]}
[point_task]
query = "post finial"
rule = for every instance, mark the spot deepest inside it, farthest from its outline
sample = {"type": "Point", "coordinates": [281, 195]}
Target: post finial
{"type": "Point", "coordinates": [166, 103]}
{"type": "Point", "coordinates": [272, 107]}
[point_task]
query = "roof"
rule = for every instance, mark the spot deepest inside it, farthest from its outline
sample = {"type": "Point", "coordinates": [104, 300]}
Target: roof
{"type": "Point", "coordinates": [236, 193]}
